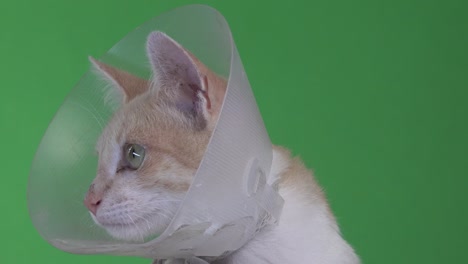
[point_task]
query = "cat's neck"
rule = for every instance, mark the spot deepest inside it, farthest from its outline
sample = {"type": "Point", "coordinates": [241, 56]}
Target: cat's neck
{"type": "Point", "coordinates": [307, 232]}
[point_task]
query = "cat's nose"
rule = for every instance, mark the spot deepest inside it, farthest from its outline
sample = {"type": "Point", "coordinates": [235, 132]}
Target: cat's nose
{"type": "Point", "coordinates": [92, 202]}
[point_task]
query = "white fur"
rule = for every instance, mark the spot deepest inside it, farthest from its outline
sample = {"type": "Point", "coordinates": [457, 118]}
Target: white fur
{"type": "Point", "coordinates": [132, 212]}
{"type": "Point", "coordinates": [305, 234]}
{"type": "Point", "coordinates": [141, 214]}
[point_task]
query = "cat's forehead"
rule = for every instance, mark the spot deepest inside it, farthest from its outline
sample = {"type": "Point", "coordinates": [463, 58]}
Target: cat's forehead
{"type": "Point", "coordinates": [142, 121]}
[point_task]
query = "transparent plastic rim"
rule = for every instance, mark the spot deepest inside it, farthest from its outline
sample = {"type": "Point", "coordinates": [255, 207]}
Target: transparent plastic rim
{"type": "Point", "coordinates": [257, 161]}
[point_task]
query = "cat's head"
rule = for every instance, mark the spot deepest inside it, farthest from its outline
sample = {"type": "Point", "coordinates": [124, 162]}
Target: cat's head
{"type": "Point", "coordinates": [152, 146]}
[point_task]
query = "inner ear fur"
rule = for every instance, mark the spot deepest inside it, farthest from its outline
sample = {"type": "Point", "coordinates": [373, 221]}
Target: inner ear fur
{"type": "Point", "coordinates": [187, 82]}
{"type": "Point", "coordinates": [128, 85]}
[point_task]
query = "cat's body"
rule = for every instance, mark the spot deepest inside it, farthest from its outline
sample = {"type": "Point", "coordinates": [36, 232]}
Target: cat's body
{"type": "Point", "coordinates": [151, 148]}
{"type": "Point", "coordinates": [307, 231]}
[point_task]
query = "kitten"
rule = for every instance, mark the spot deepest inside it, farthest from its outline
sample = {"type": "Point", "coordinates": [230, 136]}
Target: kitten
{"type": "Point", "coordinates": [151, 149]}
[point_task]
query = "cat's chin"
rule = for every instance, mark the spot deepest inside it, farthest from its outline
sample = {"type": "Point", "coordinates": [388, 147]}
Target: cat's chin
{"type": "Point", "coordinates": [138, 231]}
{"type": "Point", "coordinates": [132, 233]}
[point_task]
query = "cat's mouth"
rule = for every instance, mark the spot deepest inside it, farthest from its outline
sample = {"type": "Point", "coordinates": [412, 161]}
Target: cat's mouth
{"type": "Point", "coordinates": [118, 225]}
{"type": "Point", "coordinates": [132, 221]}
{"type": "Point", "coordinates": [135, 229]}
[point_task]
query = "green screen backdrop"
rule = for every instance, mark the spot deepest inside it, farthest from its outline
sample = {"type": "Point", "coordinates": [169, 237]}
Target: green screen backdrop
{"type": "Point", "coordinates": [373, 95]}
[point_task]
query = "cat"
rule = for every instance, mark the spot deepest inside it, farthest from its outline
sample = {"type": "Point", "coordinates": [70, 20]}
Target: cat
{"type": "Point", "coordinates": [152, 146]}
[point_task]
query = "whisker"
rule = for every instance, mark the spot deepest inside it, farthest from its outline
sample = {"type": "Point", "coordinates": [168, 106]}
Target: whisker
{"type": "Point", "coordinates": [147, 222]}
{"type": "Point", "coordinates": [136, 227]}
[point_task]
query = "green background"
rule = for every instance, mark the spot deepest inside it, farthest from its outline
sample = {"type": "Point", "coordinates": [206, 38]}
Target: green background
{"type": "Point", "coordinates": [373, 95]}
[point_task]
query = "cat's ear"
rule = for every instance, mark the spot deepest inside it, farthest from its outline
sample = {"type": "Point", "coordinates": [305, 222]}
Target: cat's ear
{"type": "Point", "coordinates": [184, 80]}
{"type": "Point", "coordinates": [128, 86]}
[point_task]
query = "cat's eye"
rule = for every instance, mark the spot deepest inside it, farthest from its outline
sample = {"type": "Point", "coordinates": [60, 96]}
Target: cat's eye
{"type": "Point", "coordinates": [134, 155]}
